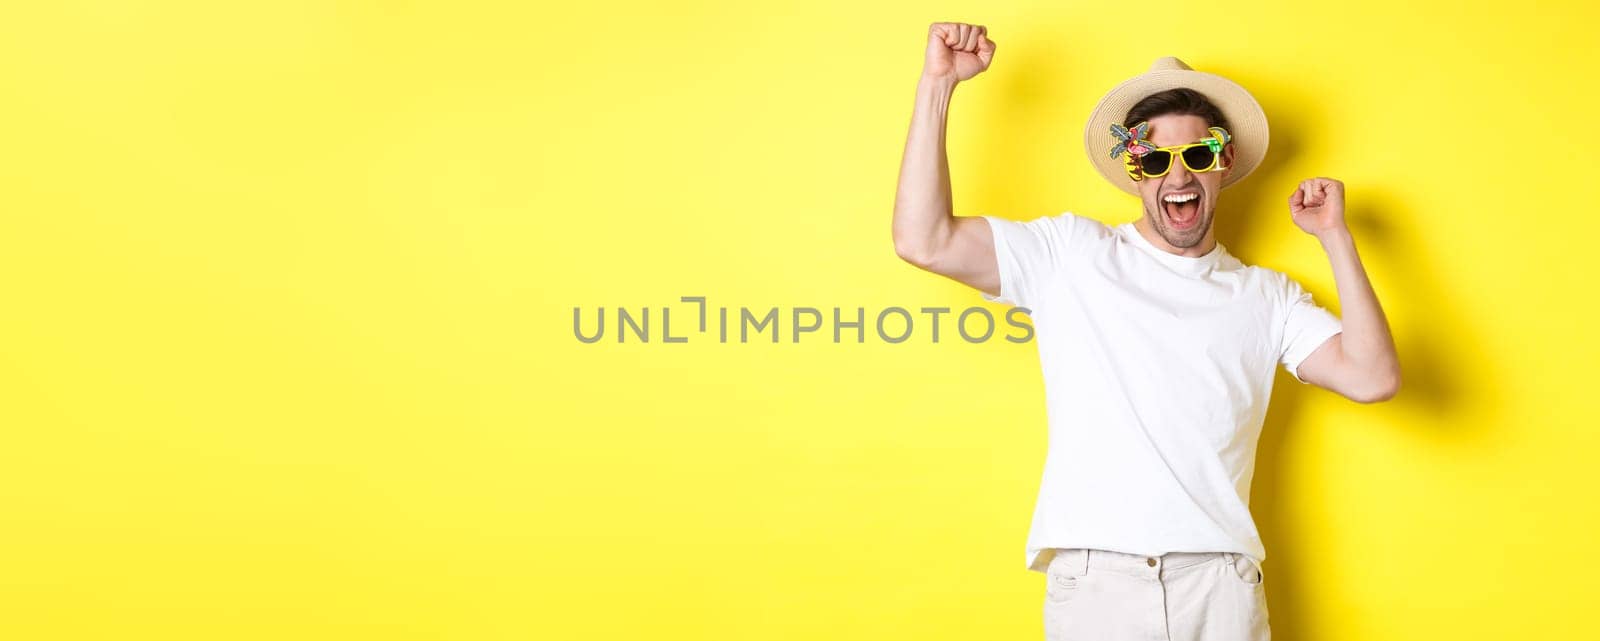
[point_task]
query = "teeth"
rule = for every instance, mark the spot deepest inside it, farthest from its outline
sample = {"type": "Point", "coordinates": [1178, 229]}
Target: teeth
{"type": "Point", "coordinates": [1180, 198]}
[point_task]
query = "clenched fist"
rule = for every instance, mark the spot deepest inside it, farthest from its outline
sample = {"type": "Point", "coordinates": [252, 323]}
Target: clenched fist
{"type": "Point", "coordinates": [1317, 206]}
{"type": "Point", "coordinates": [957, 50]}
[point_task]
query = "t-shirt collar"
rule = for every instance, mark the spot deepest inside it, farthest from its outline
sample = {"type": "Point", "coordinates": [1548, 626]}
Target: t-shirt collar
{"type": "Point", "coordinates": [1192, 265]}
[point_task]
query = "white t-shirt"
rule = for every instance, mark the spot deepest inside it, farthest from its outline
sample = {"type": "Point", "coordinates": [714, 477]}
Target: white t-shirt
{"type": "Point", "coordinates": [1157, 371]}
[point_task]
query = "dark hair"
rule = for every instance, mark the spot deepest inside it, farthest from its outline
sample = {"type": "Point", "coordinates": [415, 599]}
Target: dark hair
{"type": "Point", "coordinates": [1181, 101]}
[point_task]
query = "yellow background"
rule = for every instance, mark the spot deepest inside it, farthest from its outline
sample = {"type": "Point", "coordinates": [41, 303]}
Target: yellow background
{"type": "Point", "coordinates": [286, 349]}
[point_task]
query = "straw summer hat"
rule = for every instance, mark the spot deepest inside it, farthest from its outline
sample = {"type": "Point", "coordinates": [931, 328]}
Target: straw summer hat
{"type": "Point", "coordinates": [1247, 123]}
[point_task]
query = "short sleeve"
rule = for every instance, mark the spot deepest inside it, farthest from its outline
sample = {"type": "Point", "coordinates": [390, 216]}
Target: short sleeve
{"type": "Point", "coordinates": [1306, 327]}
{"type": "Point", "coordinates": [1029, 254]}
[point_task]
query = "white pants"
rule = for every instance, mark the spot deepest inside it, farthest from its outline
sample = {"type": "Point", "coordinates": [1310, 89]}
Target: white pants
{"type": "Point", "coordinates": [1101, 595]}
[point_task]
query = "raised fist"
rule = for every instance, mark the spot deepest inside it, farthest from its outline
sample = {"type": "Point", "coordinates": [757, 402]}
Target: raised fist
{"type": "Point", "coordinates": [957, 50]}
{"type": "Point", "coordinates": [1317, 205]}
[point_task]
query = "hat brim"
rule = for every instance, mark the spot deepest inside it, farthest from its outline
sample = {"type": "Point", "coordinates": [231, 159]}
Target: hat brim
{"type": "Point", "coordinates": [1247, 122]}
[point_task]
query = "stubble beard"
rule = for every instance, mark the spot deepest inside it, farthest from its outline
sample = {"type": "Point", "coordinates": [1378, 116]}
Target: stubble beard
{"type": "Point", "coordinates": [1181, 239]}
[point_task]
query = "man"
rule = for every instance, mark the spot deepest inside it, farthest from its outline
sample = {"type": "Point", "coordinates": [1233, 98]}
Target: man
{"type": "Point", "coordinates": [1158, 347]}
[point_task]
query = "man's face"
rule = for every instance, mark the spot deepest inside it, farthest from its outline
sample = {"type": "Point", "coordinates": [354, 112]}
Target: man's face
{"type": "Point", "coordinates": [1182, 225]}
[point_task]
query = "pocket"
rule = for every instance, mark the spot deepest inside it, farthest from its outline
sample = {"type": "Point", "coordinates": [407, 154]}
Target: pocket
{"type": "Point", "coordinates": [1247, 571]}
{"type": "Point", "coordinates": [1060, 586]}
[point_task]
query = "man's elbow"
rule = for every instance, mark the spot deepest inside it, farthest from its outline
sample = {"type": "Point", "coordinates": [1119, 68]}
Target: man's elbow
{"type": "Point", "coordinates": [913, 252]}
{"type": "Point", "coordinates": [1378, 388]}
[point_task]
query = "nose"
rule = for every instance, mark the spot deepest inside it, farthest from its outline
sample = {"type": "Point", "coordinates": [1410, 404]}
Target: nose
{"type": "Point", "coordinates": [1179, 173]}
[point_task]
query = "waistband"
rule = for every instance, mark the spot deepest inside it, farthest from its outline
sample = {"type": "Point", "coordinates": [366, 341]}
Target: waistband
{"type": "Point", "coordinates": [1080, 561]}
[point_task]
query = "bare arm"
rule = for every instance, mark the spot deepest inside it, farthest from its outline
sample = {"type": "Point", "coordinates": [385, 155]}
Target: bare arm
{"type": "Point", "coordinates": [1359, 363]}
{"type": "Point", "coordinates": [926, 233]}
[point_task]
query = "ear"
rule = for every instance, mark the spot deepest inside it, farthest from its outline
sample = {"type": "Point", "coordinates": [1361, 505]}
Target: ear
{"type": "Point", "coordinates": [1227, 159]}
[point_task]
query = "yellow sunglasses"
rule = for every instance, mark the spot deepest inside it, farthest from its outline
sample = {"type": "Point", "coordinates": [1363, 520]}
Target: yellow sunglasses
{"type": "Point", "coordinates": [1197, 157]}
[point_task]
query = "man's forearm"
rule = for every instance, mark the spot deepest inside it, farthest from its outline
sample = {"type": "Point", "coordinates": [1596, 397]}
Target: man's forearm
{"type": "Point", "coordinates": [922, 208]}
{"type": "Point", "coordinates": [1367, 343]}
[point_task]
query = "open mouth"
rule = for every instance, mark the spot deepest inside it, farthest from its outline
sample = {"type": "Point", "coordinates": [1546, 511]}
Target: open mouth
{"type": "Point", "coordinates": [1182, 209]}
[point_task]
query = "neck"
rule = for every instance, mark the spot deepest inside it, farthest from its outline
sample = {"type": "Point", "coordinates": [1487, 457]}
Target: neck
{"type": "Point", "coordinates": [1202, 248]}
